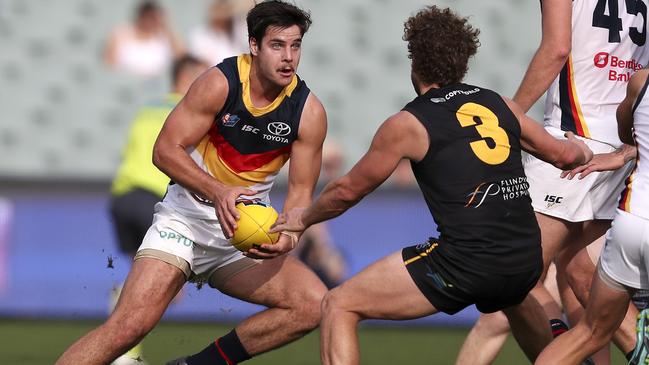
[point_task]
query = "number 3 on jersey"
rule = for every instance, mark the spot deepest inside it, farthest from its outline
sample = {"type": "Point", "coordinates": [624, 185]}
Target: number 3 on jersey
{"type": "Point", "coordinates": [467, 115]}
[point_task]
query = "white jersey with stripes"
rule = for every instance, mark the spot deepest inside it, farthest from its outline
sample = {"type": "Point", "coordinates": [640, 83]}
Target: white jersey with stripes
{"type": "Point", "coordinates": [608, 46]}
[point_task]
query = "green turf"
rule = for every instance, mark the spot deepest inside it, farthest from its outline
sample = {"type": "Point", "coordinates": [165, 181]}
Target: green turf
{"type": "Point", "coordinates": [31, 342]}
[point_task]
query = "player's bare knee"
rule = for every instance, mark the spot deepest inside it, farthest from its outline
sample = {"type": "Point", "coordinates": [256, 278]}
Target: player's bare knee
{"type": "Point", "coordinates": [593, 335]}
{"type": "Point", "coordinates": [579, 280]}
{"type": "Point", "coordinates": [309, 315]}
{"type": "Point", "coordinates": [493, 323]}
{"type": "Point", "coordinates": [334, 303]}
{"type": "Point", "coordinates": [307, 306]}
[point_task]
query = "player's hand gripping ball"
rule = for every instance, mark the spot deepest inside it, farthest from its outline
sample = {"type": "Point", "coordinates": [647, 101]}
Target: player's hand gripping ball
{"type": "Point", "coordinates": [253, 225]}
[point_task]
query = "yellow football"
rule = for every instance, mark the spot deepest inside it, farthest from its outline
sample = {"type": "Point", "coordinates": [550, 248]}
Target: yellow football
{"type": "Point", "coordinates": [253, 225]}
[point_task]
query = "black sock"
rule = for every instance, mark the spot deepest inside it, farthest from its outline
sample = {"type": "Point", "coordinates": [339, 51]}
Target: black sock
{"type": "Point", "coordinates": [558, 327]}
{"type": "Point", "coordinates": [226, 350]}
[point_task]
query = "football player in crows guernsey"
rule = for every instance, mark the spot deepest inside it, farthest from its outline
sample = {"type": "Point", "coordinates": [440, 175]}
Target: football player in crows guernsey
{"type": "Point", "coordinates": [464, 143]}
{"type": "Point", "coordinates": [227, 140]}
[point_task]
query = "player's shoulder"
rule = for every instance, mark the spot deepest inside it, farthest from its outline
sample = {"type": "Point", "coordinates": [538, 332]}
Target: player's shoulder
{"type": "Point", "coordinates": [208, 92]}
{"type": "Point", "coordinates": [212, 83]}
{"type": "Point", "coordinates": [403, 122]}
{"type": "Point", "coordinates": [313, 107]}
{"type": "Point", "coordinates": [313, 121]}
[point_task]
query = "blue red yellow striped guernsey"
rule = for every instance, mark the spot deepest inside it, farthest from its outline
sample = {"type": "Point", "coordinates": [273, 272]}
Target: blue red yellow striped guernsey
{"type": "Point", "coordinates": [572, 118]}
{"type": "Point", "coordinates": [247, 145]}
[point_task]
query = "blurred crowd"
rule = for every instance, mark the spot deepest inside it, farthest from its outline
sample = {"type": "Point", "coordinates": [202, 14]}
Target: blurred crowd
{"type": "Point", "coordinates": [147, 45]}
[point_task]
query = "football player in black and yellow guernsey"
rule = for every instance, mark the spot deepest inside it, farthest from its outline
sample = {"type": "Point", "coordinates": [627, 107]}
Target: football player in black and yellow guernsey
{"type": "Point", "coordinates": [464, 143]}
{"type": "Point", "coordinates": [227, 140]}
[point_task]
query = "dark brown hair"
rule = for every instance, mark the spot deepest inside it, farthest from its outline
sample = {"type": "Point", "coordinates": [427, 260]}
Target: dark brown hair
{"type": "Point", "coordinates": [275, 14]}
{"type": "Point", "coordinates": [182, 63]}
{"type": "Point", "coordinates": [147, 7]}
{"type": "Point", "coordinates": [440, 44]}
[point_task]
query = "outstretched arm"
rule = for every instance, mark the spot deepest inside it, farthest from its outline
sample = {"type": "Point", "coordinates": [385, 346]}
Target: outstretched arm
{"type": "Point", "coordinates": [627, 152]}
{"type": "Point", "coordinates": [401, 136]}
{"type": "Point", "coordinates": [563, 154]}
{"type": "Point", "coordinates": [551, 55]}
{"type": "Point", "coordinates": [625, 109]}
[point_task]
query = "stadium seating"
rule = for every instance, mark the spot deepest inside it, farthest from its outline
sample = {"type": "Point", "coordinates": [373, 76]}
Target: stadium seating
{"type": "Point", "coordinates": [64, 116]}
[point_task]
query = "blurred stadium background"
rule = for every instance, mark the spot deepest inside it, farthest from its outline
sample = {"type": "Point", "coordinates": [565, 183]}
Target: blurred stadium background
{"type": "Point", "coordinates": [63, 122]}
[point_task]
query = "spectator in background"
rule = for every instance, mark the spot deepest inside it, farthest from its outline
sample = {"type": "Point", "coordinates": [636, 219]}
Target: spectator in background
{"type": "Point", "coordinates": [316, 247]}
{"type": "Point", "coordinates": [224, 34]}
{"type": "Point", "coordinates": [139, 185]}
{"type": "Point", "coordinates": [147, 46]}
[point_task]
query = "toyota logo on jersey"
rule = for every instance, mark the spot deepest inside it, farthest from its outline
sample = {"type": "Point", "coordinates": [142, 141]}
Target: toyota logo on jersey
{"type": "Point", "coordinates": [279, 128]}
{"type": "Point", "coordinates": [601, 59]}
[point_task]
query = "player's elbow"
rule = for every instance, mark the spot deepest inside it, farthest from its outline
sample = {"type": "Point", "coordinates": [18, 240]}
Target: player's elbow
{"type": "Point", "coordinates": [562, 52]}
{"type": "Point", "coordinates": [626, 136]}
{"type": "Point", "coordinates": [557, 51]}
{"type": "Point", "coordinates": [160, 155]}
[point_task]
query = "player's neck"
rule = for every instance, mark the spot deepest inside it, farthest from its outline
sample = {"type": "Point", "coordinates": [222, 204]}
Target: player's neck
{"type": "Point", "coordinates": [424, 88]}
{"type": "Point", "coordinates": [262, 90]}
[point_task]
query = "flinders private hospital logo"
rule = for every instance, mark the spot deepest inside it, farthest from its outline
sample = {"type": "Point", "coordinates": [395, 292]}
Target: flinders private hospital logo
{"type": "Point", "coordinates": [507, 189]}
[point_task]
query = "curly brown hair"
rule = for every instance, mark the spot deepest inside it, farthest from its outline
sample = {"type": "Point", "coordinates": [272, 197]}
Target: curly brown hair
{"type": "Point", "coordinates": [440, 44]}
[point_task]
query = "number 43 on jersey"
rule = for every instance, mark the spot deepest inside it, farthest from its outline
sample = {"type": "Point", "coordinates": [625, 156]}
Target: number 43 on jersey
{"type": "Point", "coordinates": [613, 22]}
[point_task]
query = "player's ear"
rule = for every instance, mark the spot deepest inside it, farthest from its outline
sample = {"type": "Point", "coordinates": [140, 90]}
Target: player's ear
{"type": "Point", "coordinates": [252, 43]}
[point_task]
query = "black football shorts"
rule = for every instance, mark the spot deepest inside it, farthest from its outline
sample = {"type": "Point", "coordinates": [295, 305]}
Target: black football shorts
{"type": "Point", "coordinates": [451, 286]}
{"type": "Point", "coordinates": [132, 214]}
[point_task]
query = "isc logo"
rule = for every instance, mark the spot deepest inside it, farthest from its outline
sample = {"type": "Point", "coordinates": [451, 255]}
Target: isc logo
{"type": "Point", "coordinates": [553, 199]}
{"type": "Point", "coordinates": [249, 128]}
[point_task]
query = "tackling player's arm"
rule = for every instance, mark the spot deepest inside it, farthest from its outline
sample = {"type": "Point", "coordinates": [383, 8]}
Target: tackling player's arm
{"type": "Point", "coordinates": [627, 152]}
{"type": "Point", "coordinates": [400, 136]}
{"type": "Point", "coordinates": [563, 154]}
{"type": "Point", "coordinates": [304, 169]}
{"type": "Point", "coordinates": [187, 124]}
{"type": "Point", "coordinates": [552, 54]}
{"type": "Point", "coordinates": [625, 109]}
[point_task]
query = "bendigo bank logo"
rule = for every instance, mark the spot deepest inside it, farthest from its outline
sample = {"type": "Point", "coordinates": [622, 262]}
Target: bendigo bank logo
{"type": "Point", "coordinates": [619, 69]}
{"type": "Point", "coordinates": [601, 59]}
{"type": "Point", "coordinates": [229, 120]}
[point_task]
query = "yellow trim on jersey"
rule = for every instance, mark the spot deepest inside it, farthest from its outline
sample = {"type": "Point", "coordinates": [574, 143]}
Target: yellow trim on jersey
{"type": "Point", "coordinates": [629, 187]}
{"type": "Point", "coordinates": [573, 88]}
{"type": "Point", "coordinates": [222, 172]}
{"type": "Point", "coordinates": [423, 254]}
{"type": "Point", "coordinates": [244, 62]}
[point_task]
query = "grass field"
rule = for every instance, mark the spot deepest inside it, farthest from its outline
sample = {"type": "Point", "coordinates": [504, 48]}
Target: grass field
{"type": "Point", "coordinates": [31, 342]}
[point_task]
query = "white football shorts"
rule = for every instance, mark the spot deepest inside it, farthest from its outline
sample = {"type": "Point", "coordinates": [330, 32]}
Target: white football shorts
{"type": "Point", "coordinates": [196, 246]}
{"type": "Point", "coordinates": [624, 258]}
{"type": "Point", "coordinates": [594, 197]}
